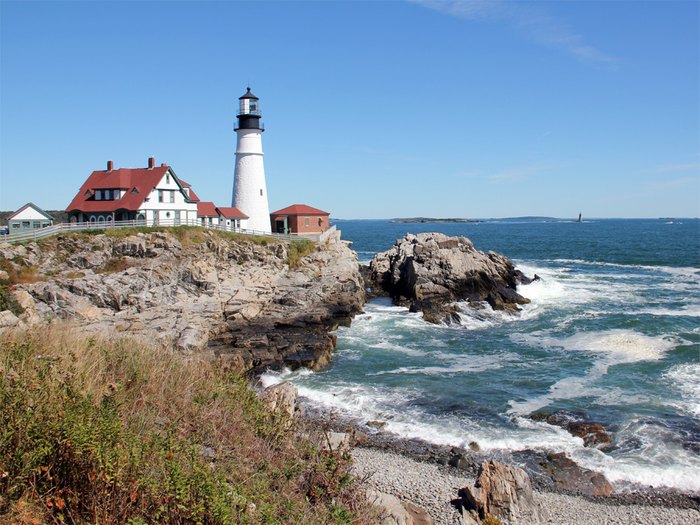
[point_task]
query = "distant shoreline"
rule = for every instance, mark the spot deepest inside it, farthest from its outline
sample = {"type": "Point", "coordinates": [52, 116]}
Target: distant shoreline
{"type": "Point", "coordinates": [430, 219]}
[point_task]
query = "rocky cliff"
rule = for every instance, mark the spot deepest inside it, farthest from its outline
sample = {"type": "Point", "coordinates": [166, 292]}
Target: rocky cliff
{"type": "Point", "coordinates": [429, 272]}
{"type": "Point", "coordinates": [247, 300]}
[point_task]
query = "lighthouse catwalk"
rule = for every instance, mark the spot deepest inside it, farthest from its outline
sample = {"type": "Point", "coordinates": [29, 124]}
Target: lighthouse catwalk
{"type": "Point", "coordinates": [249, 189]}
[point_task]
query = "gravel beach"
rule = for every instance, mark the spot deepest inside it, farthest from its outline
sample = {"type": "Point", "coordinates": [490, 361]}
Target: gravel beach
{"type": "Point", "coordinates": [433, 487]}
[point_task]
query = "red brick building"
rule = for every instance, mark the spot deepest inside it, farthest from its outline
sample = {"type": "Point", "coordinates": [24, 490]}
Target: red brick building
{"type": "Point", "coordinates": [299, 218]}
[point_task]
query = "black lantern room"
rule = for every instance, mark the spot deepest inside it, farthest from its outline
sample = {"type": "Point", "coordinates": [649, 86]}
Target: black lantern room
{"type": "Point", "coordinates": [249, 112]}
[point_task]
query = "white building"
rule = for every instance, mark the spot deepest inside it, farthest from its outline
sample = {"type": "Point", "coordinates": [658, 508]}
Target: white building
{"type": "Point", "coordinates": [153, 194]}
{"type": "Point", "coordinates": [28, 218]}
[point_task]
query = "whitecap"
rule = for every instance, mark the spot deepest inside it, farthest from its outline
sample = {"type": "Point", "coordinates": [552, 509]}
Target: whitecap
{"type": "Point", "coordinates": [686, 379]}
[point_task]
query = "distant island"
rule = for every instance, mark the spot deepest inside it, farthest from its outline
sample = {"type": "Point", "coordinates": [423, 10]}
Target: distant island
{"type": "Point", "coordinates": [431, 219]}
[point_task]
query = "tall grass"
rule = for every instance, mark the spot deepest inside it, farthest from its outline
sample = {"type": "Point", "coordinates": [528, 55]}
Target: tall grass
{"type": "Point", "coordinates": [297, 250]}
{"type": "Point", "coordinates": [109, 431]}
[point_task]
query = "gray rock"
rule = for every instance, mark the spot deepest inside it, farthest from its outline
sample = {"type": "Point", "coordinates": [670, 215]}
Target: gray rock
{"type": "Point", "coordinates": [429, 272]}
{"type": "Point", "coordinates": [504, 492]}
{"type": "Point", "coordinates": [394, 512]}
{"type": "Point", "coordinates": [281, 398]}
{"type": "Point", "coordinates": [8, 319]}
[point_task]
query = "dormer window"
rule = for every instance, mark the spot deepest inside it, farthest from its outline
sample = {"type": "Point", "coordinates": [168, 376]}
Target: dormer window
{"type": "Point", "coordinates": [134, 190]}
{"type": "Point", "coordinates": [98, 195]}
{"type": "Point", "coordinates": [108, 195]}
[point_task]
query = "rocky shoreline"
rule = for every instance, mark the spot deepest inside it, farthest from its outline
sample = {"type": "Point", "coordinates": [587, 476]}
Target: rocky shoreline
{"type": "Point", "coordinates": [466, 462]}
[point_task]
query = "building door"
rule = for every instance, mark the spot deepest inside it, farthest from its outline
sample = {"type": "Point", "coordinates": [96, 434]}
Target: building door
{"type": "Point", "coordinates": [281, 226]}
{"type": "Point", "coordinates": [177, 217]}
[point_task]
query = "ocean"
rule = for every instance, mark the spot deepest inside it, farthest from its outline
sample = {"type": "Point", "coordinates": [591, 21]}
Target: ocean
{"type": "Point", "coordinates": [612, 334]}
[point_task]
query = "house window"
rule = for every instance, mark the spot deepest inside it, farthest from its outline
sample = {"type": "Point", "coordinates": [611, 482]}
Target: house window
{"type": "Point", "coordinates": [172, 196]}
{"type": "Point", "coordinates": [160, 195]}
{"type": "Point", "coordinates": [15, 225]}
{"type": "Point", "coordinates": [261, 192]}
{"type": "Point", "coordinates": [167, 178]}
{"type": "Point", "coordinates": [108, 195]}
{"type": "Point", "coordinates": [98, 195]}
{"type": "Point", "coordinates": [36, 225]}
{"type": "Point", "coordinates": [25, 224]}
{"type": "Point", "coordinates": [306, 221]}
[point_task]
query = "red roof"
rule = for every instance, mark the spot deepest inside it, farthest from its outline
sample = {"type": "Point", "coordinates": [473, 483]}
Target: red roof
{"type": "Point", "coordinates": [231, 213]}
{"type": "Point", "coordinates": [206, 209]}
{"type": "Point", "coordinates": [299, 209]}
{"type": "Point", "coordinates": [138, 183]}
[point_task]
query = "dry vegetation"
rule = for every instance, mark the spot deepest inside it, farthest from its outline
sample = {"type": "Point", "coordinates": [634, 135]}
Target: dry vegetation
{"type": "Point", "coordinates": [298, 250]}
{"type": "Point", "coordinates": [107, 431]}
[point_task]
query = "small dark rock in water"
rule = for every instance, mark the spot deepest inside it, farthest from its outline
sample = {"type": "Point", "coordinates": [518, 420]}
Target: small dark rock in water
{"type": "Point", "coordinates": [593, 433]}
{"type": "Point", "coordinates": [376, 424]}
{"type": "Point", "coordinates": [570, 477]}
{"type": "Point", "coordinates": [474, 446]}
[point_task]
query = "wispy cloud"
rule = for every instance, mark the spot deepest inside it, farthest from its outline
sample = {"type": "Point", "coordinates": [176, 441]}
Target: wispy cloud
{"type": "Point", "coordinates": [678, 167]}
{"type": "Point", "coordinates": [674, 183]}
{"type": "Point", "coordinates": [530, 19]}
{"type": "Point", "coordinates": [508, 174]}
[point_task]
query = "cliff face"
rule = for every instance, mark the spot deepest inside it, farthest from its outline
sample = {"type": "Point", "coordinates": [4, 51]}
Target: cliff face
{"type": "Point", "coordinates": [203, 290]}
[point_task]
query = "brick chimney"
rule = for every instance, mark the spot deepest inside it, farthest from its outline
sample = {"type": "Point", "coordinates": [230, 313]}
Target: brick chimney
{"type": "Point", "coordinates": [151, 162]}
{"type": "Point", "coordinates": [110, 165]}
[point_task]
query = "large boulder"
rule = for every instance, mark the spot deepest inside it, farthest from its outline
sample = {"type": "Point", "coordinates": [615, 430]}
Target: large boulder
{"type": "Point", "coordinates": [431, 271]}
{"type": "Point", "coordinates": [503, 492]}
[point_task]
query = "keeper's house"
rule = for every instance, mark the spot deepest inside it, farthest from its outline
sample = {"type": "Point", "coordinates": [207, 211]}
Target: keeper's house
{"type": "Point", "coordinates": [154, 195]}
{"type": "Point", "coordinates": [29, 217]}
{"type": "Point", "coordinates": [299, 218]}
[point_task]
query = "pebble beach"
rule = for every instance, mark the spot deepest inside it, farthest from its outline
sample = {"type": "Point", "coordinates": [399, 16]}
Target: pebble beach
{"type": "Point", "coordinates": [433, 487]}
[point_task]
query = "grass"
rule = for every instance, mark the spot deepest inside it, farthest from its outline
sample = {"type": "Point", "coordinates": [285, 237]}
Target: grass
{"type": "Point", "coordinates": [298, 250]}
{"type": "Point", "coordinates": [109, 431]}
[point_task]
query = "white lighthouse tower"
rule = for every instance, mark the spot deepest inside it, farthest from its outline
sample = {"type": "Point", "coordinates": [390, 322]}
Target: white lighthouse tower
{"type": "Point", "coordinates": [249, 189]}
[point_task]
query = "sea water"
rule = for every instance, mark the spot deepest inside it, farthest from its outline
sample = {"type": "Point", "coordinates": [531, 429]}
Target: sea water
{"type": "Point", "coordinates": [612, 333]}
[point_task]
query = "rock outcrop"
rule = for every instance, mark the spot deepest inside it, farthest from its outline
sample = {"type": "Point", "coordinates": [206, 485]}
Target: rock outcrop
{"type": "Point", "coordinates": [430, 272]}
{"type": "Point", "coordinates": [503, 492]}
{"type": "Point", "coordinates": [200, 290]}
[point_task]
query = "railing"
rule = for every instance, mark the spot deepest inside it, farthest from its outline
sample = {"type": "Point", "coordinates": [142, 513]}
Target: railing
{"type": "Point", "coordinates": [41, 233]}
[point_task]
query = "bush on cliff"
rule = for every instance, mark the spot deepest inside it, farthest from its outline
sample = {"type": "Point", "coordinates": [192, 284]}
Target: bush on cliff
{"type": "Point", "coordinates": [297, 250]}
{"type": "Point", "coordinates": [108, 431]}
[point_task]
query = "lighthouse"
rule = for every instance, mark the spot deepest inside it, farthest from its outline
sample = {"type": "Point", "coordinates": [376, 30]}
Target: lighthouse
{"type": "Point", "coordinates": [249, 189]}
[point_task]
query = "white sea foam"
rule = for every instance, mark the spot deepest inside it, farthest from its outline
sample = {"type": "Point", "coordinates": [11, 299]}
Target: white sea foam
{"type": "Point", "coordinates": [683, 271]}
{"type": "Point", "coordinates": [609, 347]}
{"type": "Point", "coordinates": [657, 459]}
{"type": "Point", "coordinates": [455, 365]}
{"type": "Point", "coordinates": [686, 379]}
{"type": "Point", "coordinates": [617, 346]}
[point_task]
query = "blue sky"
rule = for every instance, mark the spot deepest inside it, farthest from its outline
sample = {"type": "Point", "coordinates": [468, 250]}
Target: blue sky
{"type": "Point", "coordinates": [372, 109]}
